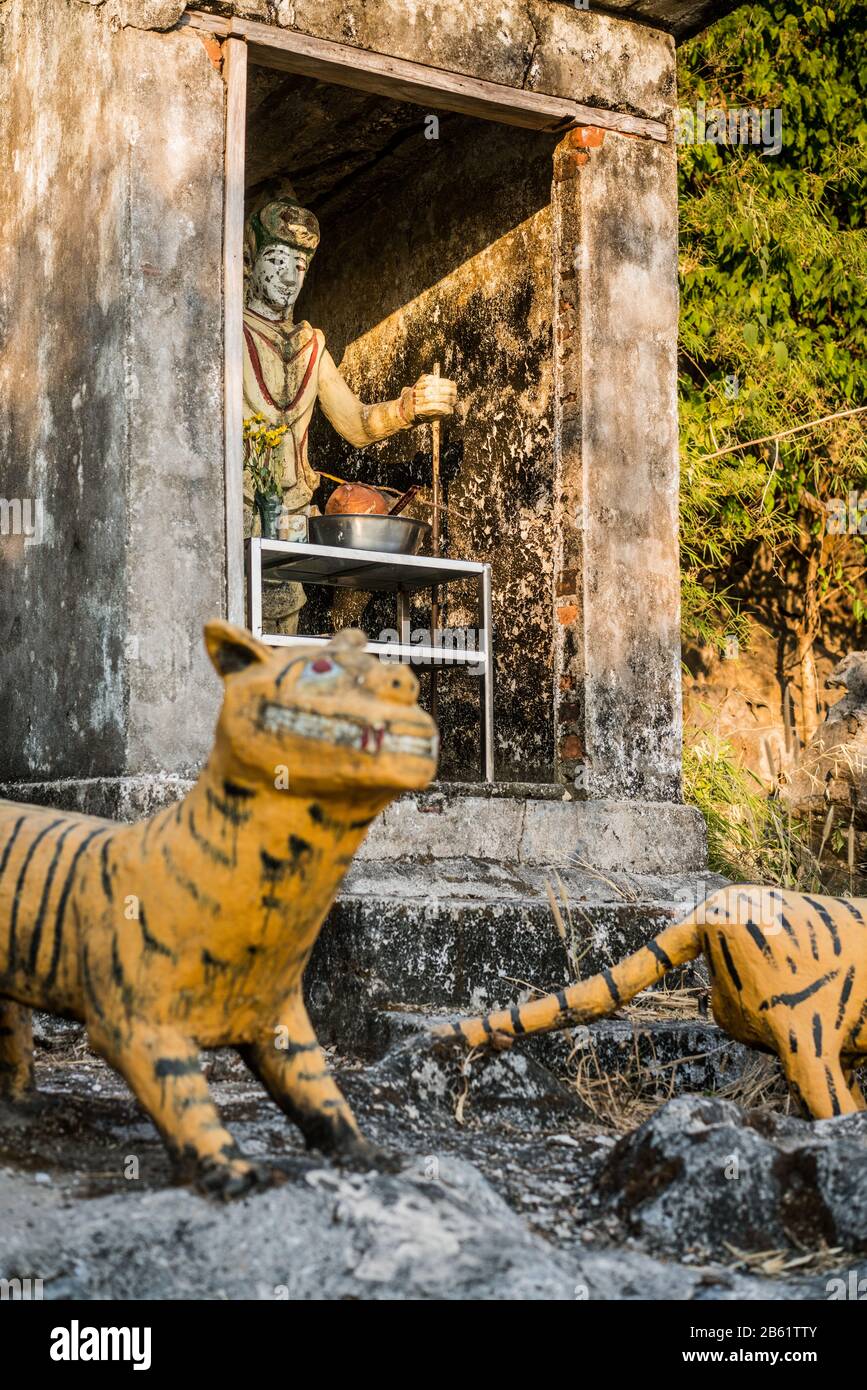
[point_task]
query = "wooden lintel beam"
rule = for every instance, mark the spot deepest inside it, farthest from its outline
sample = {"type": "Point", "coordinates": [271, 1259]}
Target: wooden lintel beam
{"type": "Point", "coordinates": [402, 80]}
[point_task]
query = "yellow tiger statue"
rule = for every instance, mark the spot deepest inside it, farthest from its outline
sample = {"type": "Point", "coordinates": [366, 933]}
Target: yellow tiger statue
{"type": "Point", "coordinates": [192, 929]}
{"type": "Point", "coordinates": [788, 975]}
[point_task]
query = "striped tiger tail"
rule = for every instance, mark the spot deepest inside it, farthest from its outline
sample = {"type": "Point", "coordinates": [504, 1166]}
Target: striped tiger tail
{"type": "Point", "coordinates": [586, 999]}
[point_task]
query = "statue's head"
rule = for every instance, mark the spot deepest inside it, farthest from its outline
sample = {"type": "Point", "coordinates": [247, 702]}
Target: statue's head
{"type": "Point", "coordinates": [334, 720]}
{"type": "Point", "coordinates": [281, 237]}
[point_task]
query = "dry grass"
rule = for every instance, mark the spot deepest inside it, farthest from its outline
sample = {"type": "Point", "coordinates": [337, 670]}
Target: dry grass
{"type": "Point", "coordinates": [760, 1086]}
{"type": "Point", "coordinates": [561, 911]}
{"type": "Point", "coordinates": [664, 1003]}
{"type": "Point", "coordinates": [776, 1262]}
{"type": "Point", "coordinates": [617, 1100]}
{"type": "Point", "coordinates": [623, 1099]}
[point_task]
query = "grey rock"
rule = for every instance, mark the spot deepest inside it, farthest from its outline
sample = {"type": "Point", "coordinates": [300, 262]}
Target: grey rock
{"type": "Point", "coordinates": [502, 1086]}
{"type": "Point", "coordinates": [704, 1175]}
{"type": "Point", "coordinates": [440, 1233]}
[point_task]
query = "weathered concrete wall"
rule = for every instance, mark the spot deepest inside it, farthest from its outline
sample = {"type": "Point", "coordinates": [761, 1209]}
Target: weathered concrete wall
{"type": "Point", "coordinates": [453, 264]}
{"type": "Point", "coordinates": [545, 47]}
{"type": "Point", "coordinates": [110, 389]}
{"type": "Point", "coordinates": [111, 379]}
{"type": "Point", "coordinates": [618, 659]}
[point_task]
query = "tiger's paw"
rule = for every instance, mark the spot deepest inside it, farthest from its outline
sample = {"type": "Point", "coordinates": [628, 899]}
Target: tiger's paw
{"type": "Point", "coordinates": [363, 1156]}
{"type": "Point", "coordinates": [226, 1181]}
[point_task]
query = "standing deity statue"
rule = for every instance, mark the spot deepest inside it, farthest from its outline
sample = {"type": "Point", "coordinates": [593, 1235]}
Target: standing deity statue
{"type": "Point", "coordinates": [287, 367]}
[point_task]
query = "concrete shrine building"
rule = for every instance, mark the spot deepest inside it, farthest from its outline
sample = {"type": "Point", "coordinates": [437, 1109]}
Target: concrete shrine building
{"type": "Point", "coordinates": [496, 188]}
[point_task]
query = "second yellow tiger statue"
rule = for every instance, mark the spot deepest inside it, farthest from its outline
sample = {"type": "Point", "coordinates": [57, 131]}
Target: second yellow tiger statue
{"type": "Point", "coordinates": [788, 975]}
{"type": "Point", "coordinates": [192, 929]}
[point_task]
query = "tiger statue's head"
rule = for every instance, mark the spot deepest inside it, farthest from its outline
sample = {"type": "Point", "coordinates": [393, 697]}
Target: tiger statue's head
{"type": "Point", "coordinates": [319, 720]}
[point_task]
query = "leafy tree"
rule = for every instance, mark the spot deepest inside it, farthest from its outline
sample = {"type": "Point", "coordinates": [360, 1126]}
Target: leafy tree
{"type": "Point", "coordinates": [774, 322]}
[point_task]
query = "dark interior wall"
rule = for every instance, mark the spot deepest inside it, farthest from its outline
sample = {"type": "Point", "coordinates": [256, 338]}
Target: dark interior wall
{"type": "Point", "coordinates": [440, 250]}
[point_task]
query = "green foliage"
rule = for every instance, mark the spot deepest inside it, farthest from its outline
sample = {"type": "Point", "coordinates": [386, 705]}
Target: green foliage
{"type": "Point", "coordinates": [752, 838]}
{"type": "Point", "coordinates": [774, 296]}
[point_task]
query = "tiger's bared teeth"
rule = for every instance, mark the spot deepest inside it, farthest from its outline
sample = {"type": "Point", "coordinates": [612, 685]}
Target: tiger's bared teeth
{"type": "Point", "coordinates": [343, 732]}
{"type": "Point", "coordinates": [414, 745]}
{"type": "Point", "coordinates": [346, 733]}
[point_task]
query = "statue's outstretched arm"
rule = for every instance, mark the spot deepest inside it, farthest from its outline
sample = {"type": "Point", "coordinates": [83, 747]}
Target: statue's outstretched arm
{"type": "Point", "coordinates": [430, 399]}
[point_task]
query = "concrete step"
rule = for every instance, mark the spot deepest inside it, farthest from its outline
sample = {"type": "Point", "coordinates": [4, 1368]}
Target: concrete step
{"type": "Point", "coordinates": [541, 824]}
{"type": "Point", "coordinates": [468, 936]}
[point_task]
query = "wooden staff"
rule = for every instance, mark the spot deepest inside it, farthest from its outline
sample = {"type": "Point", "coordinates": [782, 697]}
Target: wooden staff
{"type": "Point", "coordinates": [435, 436]}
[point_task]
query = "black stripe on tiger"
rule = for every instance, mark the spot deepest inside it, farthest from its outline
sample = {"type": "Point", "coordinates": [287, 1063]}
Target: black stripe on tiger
{"type": "Point", "coordinates": [656, 950]}
{"type": "Point", "coordinates": [116, 968]}
{"type": "Point", "coordinates": [814, 944]}
{"type": "Point", "coordinates": [89, 989]}
{"type": "Point", "coordinates": [789, 929]}
{"type": "Point", "coordinates": [287, 668]}
{"type": "Point", "coordinates": [105, 871]}
{"type": "Point", "coordinates": [817, 1034]}
{"type": "Point", "coordinates": [175, 1066]}
{"type": "Point", "coordinates": [36, 935]}
{"type": "Point", "coordinates": [515, 1016]}
{"type": "Point", "coordinates": [213, 852]}
{"type": "Point", "coordinates": [729, 963]}
{"type": "Point", "coordinates": [827, 921]}
{"type": "Point", "coordinates": [832, 1091]}
{"type": "Point", "coordinates": [612, 987]}
{"type": "Point", "coordinates": [789, 1001]}
{"type": "Point", "coordinates": [760, 941]}
{"type": "Point", "coordinates": [10, 844]}
{"type": "Point", "coordinates": [708, 955]}
{"type": "Point", "coordinates": [860, 1023]}
{"type": "Point", "coordinates": [850, 906]}
{"type": "Point", "coordinates": [64, 899]}
{"type": "Point", "coordinates": [151, 942]}
{"type": "Point", "coordinates": [212, 962]}
{"type": "Point", "coordinates": [844, 996]}
{"type": "Point", "coordinates": [236, 790]}
{"type": "Point", "coordinates": [22, 874]}
{"type": "Point", "coordinates": [230, 810]}
{"type": "Point", "coordinates": [199, 897]}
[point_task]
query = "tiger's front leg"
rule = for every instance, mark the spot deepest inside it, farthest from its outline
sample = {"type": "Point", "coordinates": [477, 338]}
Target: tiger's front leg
{"type": "Point", "coordinates": [292, 1067]}
{"type": "Point", "coordinates": [16, 1050]}
{"type": "Point", "coordinates": [161, 1066]}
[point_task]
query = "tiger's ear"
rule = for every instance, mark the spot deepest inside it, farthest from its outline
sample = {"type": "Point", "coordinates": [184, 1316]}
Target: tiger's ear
{"type": "Point", "coordinates": [232, 649]}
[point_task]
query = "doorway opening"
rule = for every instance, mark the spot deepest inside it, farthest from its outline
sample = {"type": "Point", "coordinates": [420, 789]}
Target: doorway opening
{"type": "Point", "coordinates": [436, 247]}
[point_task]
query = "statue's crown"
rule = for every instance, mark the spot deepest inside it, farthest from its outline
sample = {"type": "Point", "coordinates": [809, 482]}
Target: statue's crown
{"type": "Point", "coordinates": [282, 222]}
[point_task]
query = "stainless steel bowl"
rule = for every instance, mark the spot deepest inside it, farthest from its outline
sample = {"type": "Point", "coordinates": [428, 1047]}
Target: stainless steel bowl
{"type": "Point", "coordinates": [395, 535]}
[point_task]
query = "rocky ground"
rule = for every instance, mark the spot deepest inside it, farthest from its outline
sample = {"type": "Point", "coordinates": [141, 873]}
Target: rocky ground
{"type": "Point", "coordinates": [530, 1196]}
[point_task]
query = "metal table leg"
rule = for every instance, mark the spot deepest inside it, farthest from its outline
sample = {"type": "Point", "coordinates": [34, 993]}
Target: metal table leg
{"type": "Point", "coordinates": [403, 617]}
{"type": "Point", "coordinates": [486, 693]}
{"type": "Point", "coordinates": [253, 570]}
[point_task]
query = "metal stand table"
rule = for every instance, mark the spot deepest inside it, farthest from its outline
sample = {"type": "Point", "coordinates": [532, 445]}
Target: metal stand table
{"type": "Point", "coordinates": [377, 572]}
